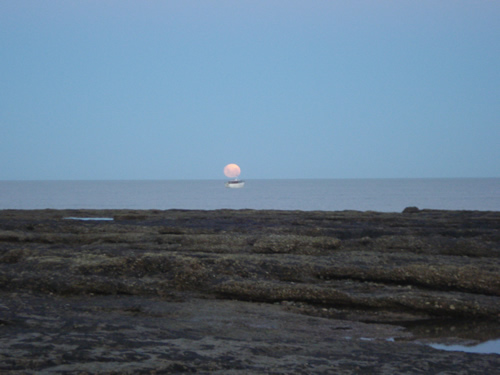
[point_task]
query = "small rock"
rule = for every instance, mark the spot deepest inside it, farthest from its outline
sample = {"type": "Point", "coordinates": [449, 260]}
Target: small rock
{"type": "Point", "coordinates": [411, 210]}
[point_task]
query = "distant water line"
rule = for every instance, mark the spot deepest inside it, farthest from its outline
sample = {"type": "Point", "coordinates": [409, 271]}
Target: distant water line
{"type": "Point", "coordinates": [385, 195]}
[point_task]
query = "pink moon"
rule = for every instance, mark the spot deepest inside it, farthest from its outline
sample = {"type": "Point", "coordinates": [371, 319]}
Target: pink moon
{"type": "Point", "coordinates": [232, 170]}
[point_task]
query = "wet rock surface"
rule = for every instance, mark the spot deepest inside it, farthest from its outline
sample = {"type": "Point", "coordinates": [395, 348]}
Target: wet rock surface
{"type": "Point", "coordinates": [247, 291]}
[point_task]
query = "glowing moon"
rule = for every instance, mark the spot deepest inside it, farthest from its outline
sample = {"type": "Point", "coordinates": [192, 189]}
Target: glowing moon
{"type": "Point", "coordinates": [232, 170]}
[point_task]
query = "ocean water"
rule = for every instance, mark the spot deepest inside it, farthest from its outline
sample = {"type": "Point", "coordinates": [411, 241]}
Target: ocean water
{"type": "Point", "coordinates": [385, 195]}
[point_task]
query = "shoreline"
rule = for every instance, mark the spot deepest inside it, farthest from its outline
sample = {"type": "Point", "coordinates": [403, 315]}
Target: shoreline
{"type": "Point", "coordinates": [221, 290]}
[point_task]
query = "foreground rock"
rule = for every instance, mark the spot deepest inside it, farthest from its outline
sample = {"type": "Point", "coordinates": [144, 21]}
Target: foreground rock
{"type": "Point", "coordinates": [247, 291]}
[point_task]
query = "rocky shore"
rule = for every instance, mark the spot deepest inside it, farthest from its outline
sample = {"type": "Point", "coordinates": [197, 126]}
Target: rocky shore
{"type": "Point", "coordinates": [247, 291]}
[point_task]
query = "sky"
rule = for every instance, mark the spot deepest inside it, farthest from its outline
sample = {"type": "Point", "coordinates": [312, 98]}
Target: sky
{"type": "Point", "coordinates": [159, 90]}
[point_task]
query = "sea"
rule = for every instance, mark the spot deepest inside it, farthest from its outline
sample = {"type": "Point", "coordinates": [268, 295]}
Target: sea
{"type": "Point", "coordinates": [383, 195]}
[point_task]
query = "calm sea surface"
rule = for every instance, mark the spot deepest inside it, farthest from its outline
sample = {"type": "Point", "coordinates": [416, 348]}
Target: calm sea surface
{"type": "Point", "coordinates": [387, 195]}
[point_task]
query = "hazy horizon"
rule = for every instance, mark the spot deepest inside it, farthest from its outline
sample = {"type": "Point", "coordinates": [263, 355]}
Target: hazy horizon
{"type": "Point", "coordinates": [256, 179]}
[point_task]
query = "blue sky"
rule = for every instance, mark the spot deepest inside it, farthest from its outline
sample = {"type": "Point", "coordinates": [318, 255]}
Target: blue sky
{"type": "Point", "coordinates": [286, 89]}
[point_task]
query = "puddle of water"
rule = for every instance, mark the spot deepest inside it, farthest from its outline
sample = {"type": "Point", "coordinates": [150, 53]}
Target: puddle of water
{"type": "Point", "coordinates": [488, 347]}
{"type": "Point", "coordinates": [89, 218]}
{"type": "Point", "coordinates": [465, 335]}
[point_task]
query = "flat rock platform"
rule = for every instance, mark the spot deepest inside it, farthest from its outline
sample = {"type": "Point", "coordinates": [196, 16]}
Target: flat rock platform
{"type": "Point", "coordinates": [247, 291]}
